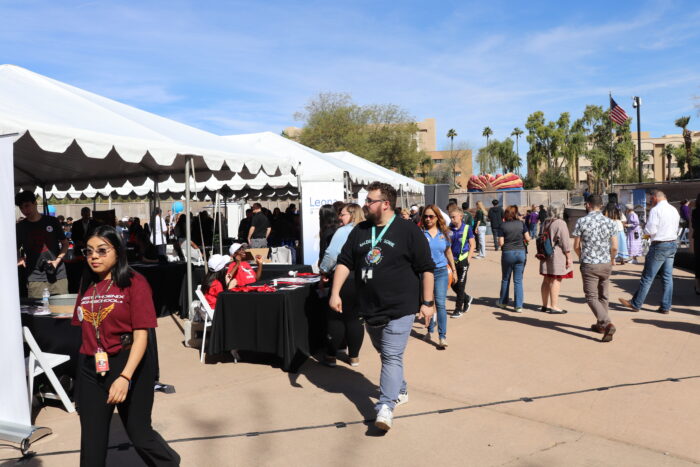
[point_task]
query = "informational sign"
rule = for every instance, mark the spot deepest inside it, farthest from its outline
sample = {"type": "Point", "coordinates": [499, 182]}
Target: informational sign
{"type": "Point", "coordinates": [14, 400]}
{"type": "Point", "coordinates": [313, 196]}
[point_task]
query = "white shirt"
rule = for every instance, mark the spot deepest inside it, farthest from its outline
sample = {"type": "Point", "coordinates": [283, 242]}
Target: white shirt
{"type": "Point", "coordinates": [662, 224]}
{"type": "Point", "coordinates": [160, 232]}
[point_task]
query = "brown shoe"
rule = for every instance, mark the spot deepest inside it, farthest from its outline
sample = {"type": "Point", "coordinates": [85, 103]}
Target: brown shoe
{"type": "Point", "coordinates": [628, 304]}
{"type": "Point", "coordinates": [599, 328]}
{"type": "Point", "coordinates": [609, 331]}
{"type": "Point", "coordinates": [662, 311]}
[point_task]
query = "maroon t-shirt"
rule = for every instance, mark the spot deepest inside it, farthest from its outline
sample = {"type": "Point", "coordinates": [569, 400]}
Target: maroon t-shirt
{"type": "Point", "coordinates": [125, 309]}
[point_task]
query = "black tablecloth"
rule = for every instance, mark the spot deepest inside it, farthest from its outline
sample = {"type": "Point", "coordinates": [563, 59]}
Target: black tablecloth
{"type": "Point", "coordinates": [55, 335]}
{"type": "Point", "coordinates": [270, 271]}
{"type": "Point", "coordinates": [286, 323]}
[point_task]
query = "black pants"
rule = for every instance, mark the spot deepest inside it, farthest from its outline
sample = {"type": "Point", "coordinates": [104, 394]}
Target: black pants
{"type": "Point", "coordinates": [460, 285]}
{"type": "Point", "coordinates": [135, 412]}
{"type": "Point", "coordinates": [345, 327]}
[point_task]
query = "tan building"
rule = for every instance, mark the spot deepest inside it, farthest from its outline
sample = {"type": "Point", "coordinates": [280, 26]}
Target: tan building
{"type": "Point", "coordinates": [655, 164]}
{"type": "Point", "coordinates": [463, 167]}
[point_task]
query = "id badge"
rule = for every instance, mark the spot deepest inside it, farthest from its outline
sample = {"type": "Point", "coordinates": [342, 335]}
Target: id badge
{"type": "Point", "coordinates": [366, 274]}
{"type": "Point", "coordinates": [101, 362]}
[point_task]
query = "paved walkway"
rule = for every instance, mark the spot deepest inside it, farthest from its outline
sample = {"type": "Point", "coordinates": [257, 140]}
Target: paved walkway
{"type": "Point", "coordinates": [512, 389]}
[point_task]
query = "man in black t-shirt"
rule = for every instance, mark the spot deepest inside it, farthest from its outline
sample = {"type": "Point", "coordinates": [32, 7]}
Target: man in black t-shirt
{"type": "Point", "coordinates": [41, 246]}
{"type": "Point", "coordinates": [259, 228]}
{"type": "Point", "coordinates": [388, 254]}
{"type": "Point", "coordinates": [496, 218]}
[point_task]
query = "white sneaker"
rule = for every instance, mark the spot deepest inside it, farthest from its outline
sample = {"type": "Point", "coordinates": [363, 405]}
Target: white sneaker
{"type": "Point", "coordinates": [403, 398]}
{"type": "Point", "coordinates": [469, 304]}
{"type": "Point", "coordinates": [518, 310]}
{"type": "Point", "coordinates": [384, 418]}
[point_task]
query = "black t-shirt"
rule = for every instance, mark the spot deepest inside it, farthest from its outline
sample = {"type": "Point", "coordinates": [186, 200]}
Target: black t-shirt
{"type": "Point", "coordinates": [261, 224]}
{"type": "Point", "coordinates": [512, 233]}
{"type": "Point", "coordinates": [396, 261]}
{"type": "Point", "coordinates": [41, 241]}
{"type": "Point", "coordinates": [496, 217]}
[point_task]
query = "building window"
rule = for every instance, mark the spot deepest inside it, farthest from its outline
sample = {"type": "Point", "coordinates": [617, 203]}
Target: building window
{"type": "Point", "coordinates": [649, 166]}
{"type": "Point", "coordinates": [437, 161]}
{"type": "Point", "coordinates": [458, 174]}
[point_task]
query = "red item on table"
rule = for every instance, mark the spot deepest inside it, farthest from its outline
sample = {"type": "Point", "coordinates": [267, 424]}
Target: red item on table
{"type": "Point", "coordinates": [254, 288]}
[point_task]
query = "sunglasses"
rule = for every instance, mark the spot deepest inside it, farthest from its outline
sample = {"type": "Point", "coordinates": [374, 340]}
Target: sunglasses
{"type": "Point", "coordinates": [101, 252]}
{"type": "Point", "coordinates": [429, 216]}
{"type": "Point", "coordinates": [372, 201]}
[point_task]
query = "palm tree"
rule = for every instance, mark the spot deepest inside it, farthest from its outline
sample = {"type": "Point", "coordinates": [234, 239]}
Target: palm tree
{"type": "Point", "coordinates": [517, 132]}
{"type": "Point", "coordinates": [668, 153]}
{"type": "Point", "coordinates": [688, 140]}
{"type": "Point", "coordinates": [451, 133]}
{"type": "Point", "coordinates": [487, 132]}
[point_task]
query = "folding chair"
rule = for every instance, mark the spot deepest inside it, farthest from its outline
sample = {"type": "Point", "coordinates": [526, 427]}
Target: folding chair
{"type": "Point", "coordinates": [39, 362]}
{"type": "Point", "coordinates": [207, 315]}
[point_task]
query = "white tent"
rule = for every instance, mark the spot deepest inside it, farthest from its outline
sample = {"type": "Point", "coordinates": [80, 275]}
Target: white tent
{"type": "Point", "coordinates": [380, 173]}
{"type": "Point", "coordinates": [55, 134]}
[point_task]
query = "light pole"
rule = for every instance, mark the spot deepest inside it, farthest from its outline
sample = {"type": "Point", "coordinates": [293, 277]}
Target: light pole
{"type": "Point", "coordinates": [637, 103]}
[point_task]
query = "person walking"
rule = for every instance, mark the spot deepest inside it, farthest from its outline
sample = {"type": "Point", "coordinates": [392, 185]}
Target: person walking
{"type": "Point", "coordinates": [480, 229]}
{"type": "Point", "coordinates": [533, 219]}
{"type": "Point", "coordinates": [662, 228]}
{"type": "Point", "coordinates": [512, 238]}
{"type": "Point", "coordinates": [495, 216]}
{"type": "Point", "coordinates": [462, 245]}
{"type": "Point", "coordinates": [612, 213]}
{"type": "Point", "coordinates": [344, 326]}
{"type": "Point", "coordinates": [559, 265]}
{"type": "Point", "coordinates": [438, 236]}
{"type": "Point", "coordinates": [116, 366]}
{"type": "Point", "coordinates": [388, 255]}
{"type": "Point", "coordinates": [684, 225]}
{"type": "Point", "coordinates": [634, 234]}
{"type": "Point", "coordinates": [695, 232]}
{"type": "Point", "coordinates": [595, 243]}
{"type": "Point", "coordinates": [468, 218]}
{"type": "Point", "coordinates": [259, 229]}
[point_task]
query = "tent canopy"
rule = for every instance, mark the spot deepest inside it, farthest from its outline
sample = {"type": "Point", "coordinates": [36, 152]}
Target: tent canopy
{"type": "Point", "coordinates": [71, 137]}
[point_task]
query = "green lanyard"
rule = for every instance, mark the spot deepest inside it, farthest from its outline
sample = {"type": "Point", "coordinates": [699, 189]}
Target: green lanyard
{"type": "Point", "coordinates": [381, 234]}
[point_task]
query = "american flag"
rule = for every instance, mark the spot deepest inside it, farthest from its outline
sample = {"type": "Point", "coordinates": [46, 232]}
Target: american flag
{"type": "Point", "coordinates": [617, 113]}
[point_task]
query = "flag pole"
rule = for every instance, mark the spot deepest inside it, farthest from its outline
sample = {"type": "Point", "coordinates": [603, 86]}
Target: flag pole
{"type": "Point", "coordinates": [612, 141]}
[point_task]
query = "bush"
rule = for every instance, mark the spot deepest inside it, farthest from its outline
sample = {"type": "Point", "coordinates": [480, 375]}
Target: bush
{"type": "Point", "coordinates": [556, 179]}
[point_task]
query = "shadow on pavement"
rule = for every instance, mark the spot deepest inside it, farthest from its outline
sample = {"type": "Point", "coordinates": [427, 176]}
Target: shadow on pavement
{"type": "Point", "coordinates": [554, 325]}
{"type": "Point", "coordinates": [673, 325]}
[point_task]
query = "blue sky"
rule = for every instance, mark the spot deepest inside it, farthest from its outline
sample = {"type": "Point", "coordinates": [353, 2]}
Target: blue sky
{"type": "Point", "coordinates": [238, 67]}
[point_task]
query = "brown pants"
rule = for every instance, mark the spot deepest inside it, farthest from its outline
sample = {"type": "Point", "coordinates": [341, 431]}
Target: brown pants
{"type": "Point", "coordinates": [596, 279]}
{"type": "Point", "coordinates": [36, 289]}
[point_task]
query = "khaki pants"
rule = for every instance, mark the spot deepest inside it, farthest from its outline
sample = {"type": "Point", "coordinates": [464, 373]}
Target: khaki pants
{"type": "Point", "coordinates": [36, 289]}
{"type": "Point", "coordinates": [596, 280]}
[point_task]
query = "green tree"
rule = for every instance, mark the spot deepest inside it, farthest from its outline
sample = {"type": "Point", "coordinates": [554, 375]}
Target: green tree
{"type": "Point", "coordinates": [687, 139]}
{"type": "Point", "coordinates": [517, 132]}
{"type": "Point", "coordinates": [487, 133]}
{"type": "Point", "coordinates": [509, 159]}
{"type": "Point", "coordinates": [451, 133]}
{"type": "Point", "coordinates": [425, 165]}
{"type": "Point", "coordinates": [384, 134]}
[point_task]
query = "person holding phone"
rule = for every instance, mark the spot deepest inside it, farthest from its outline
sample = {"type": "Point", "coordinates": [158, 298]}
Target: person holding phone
{"type": "Point", "coordinates": [240, 271]}
{"type": "Point", "coordinates": [116, 367]}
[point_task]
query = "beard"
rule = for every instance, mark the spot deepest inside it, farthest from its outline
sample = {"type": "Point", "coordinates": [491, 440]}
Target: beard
{"type": "Point", "coordinates": [370, 216]}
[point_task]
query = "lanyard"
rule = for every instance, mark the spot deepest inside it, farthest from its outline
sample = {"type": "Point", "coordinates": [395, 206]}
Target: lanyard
{"type": "Point", "coordinates": [381, 234]}
{"type": "Point", "coordinates": [462, 254]}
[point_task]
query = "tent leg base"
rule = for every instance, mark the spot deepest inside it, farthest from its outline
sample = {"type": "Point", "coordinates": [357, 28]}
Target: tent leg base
{"type": "Point", "coordinates": [24, 435]}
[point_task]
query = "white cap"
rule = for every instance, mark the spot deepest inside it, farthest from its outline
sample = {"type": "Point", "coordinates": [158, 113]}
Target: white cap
{"type": "Point", "coordinates": [235, 247]}
{"type": "Point", "coordinates": [218, 262]}
{"type": "Point", "coordinates": [414, 208]}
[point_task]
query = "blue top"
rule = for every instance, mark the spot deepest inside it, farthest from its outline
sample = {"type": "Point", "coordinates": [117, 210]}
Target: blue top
{"type": "Point", "coordinates": [438, 245]}
{"type": "Point", "coordinates": [457, 240]}
{"type": "Point", "coordinates": [339, 238]}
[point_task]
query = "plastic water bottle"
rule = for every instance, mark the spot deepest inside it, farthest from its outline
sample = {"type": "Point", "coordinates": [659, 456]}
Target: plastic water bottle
{"type": "Point", "coordinates": [45, 299]}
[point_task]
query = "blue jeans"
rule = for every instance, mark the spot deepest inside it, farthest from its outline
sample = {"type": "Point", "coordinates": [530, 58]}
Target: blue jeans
{"type": "Point", "coordinates": [659, 259]}
{"type": "Point", "coordinates": [390, 341]}
{"type": "Point", "coordinates": [495, 232]}
{"type": "Point", "coordinates": [533, 230]}
{"type": "Point", "coordinates": [440, 298]}
{"type": "Point", "coordinates": [512, 263]}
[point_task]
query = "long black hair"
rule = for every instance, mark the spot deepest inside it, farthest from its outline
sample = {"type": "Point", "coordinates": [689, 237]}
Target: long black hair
{"type": "Point", "coordinates": [328, 223]}
{"type": "Point", "coordinates": [215, 276]}
{"type": "Point", "coordinates": [121, 272]}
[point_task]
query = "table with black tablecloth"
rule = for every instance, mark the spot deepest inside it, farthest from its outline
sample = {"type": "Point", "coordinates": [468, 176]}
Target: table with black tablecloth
{"type": "Point", "coordinates": [55, 335]}
{"type": "Point", "coordinates": [287, 323]}
{"type": "Point", "coordinates": [270, 271]}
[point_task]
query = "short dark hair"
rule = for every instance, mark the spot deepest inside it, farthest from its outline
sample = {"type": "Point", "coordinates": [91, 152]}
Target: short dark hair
{"type": "Point", "coordinates": [84, 210]}
{"type": "Point", "coordinates": [388, 192]}
{"type": "Point", "coordinates": [511, 213]}
{"type": "Point", "coordinates": [595, 200]}
{"type": "Point", "coordinates": [465, 205]}
{"type": "Point", "coordinates": [257, 206]}
{"type": "Point", "coordinates": [24, 197]}
{"type": "Point", "coordinates": [494, 202]}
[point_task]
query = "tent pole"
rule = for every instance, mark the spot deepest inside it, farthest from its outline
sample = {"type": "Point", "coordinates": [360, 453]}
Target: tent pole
{"type": "Point", "coordinates": [45, 200]}
{"type": "Point", "coordinates": [188, 235]}
{"type": "Point", "coordinates": [218, 211]}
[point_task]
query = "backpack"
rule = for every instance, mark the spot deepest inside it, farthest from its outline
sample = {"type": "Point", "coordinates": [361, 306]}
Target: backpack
{"type": "Point", "coordinates": [545, 247]}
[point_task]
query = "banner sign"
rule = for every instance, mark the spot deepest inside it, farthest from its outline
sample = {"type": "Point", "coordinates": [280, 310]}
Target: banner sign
{"type": "Point", "coordinates": [313, 196]}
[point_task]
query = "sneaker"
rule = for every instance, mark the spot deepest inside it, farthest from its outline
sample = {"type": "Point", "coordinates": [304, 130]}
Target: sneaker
{"type": "Point", "coordinates": [468, 305]}
{"type": "Point", "coordinates": [403, 398]}
{"type": "Point", "coordinates": [634, 261]}
{"type": "Point", "coordinates": [662, 311]}
{"type": "Point", "coordinates": [329, 361]}
{"type": "Point", "coordinates": [502, 306]}
{"type": "Point", "coordinates": [354, 361]}
{"type": "Point", "coordinates": [599, 328]}
{"type": "Point", "coordinates": [384, 418]}
{"type": "Point", "coordinates": [609, 331]}
{"type": "Point", "coordinates": [518, 310]}
{"type": "Point", "coordinates": [442, 343]}
{"type": "Point", "coordinates": [628, 304]}
{"type": "Point", "coordinates": [456, 314]}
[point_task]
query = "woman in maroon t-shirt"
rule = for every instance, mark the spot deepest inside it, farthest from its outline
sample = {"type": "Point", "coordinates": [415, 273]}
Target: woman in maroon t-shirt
{"type": "Point", "coordinates": [115, 310]}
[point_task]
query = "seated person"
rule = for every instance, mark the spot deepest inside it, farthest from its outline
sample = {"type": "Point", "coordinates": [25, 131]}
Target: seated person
{"type": "Point", "coordinates": [217, 280]}
{"type": "Point", "coordinates": [241, 271]}
{"type": "Point", "coordinates": [146, 252]}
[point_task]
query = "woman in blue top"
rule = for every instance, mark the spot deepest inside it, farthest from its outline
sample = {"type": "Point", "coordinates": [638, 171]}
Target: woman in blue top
{"type": "Point", "coordinates": [438, 236]}
{"type": "Point", "coordinates": [345, 326]}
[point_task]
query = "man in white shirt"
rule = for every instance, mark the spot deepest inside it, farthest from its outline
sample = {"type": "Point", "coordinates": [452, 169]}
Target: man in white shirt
{"type": "Point", "coordinates": [661, 227]}
{"type": "Point", "coordinates": [159, 233]}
